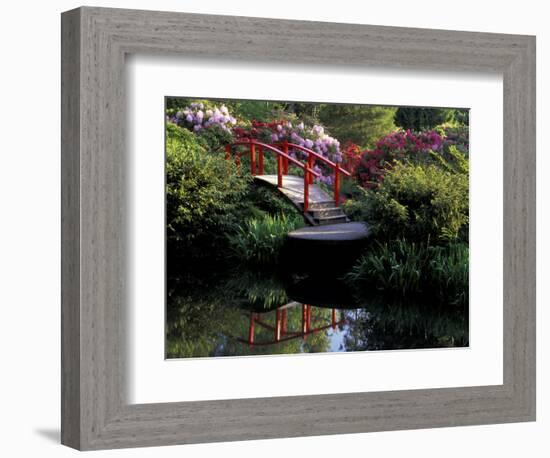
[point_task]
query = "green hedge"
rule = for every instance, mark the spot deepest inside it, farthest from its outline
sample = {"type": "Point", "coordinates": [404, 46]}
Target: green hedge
{"type": "Point", "coordinates": [418, 202]}
{"type": "Point", "coordinates": [204, 199]}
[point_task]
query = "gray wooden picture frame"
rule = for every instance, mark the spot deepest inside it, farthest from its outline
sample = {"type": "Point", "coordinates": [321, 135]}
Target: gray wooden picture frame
{"type": "Point", "coordinates": [95, 413]}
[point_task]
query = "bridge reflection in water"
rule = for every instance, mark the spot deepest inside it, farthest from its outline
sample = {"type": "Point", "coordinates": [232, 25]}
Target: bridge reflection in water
{"type": "Point", "coordinates": [253, 313]}
{"type": "Point", "coordinates": [280, 331]}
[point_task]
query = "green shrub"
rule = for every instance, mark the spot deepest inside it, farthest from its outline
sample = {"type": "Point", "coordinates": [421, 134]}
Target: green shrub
{"type": "Point", "coordinates": [259, 241]}
{"type": "Point", "coordinates": [357, 208]}
{"type": "Point", "coordinates": [451, 160]}
{"type": "Point", "coordinates": [270, 201]}
{"type": "Point", "coordinates": [204, 199]}
{"type": "Point", "coordinates": [216, 138]}
{"type": "Point", "coordinates": [419, 202]}
{"type": "Point", "coordinates": [408, 268]}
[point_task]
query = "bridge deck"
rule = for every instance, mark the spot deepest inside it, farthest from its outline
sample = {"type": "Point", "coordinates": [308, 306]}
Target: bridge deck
{"type": "Point", "coordinates": [293, 188]}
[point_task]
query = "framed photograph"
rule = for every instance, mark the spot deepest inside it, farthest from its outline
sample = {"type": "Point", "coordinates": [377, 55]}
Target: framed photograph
{"type": "Point", "coordinates": [277, 228]}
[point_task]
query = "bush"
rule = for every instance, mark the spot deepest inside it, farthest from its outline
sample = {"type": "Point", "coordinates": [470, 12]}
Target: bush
{"type": "Point", "coordinates": [404, 268]}
{"type": "Point", "coordinates": [351, 157]}
{"type": "Point", "coordinates": [446, 146]}
{"type": "Point", "coordinates": [204, 199]}
{"type": "Point", "coordinates": [453, 135]}
{"type": "Point", "coordinates": [357, 208]}
{"type": "Point", "coordinates": [212, 123]}
{"type": "Point", "coordinates": [268, 200]}
{"type": "Point", "coordinates": [418, 202]}
{"type": "Point", "coordinates": [216, 138]}
{"type": "Point", "coordinates": [260, 240]}
{"type": "Point", "coordinates": [397, 146]}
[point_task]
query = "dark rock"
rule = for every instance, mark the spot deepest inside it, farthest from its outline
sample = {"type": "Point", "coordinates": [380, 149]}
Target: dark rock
{"type": "Point", "coordinates": [324, 250]}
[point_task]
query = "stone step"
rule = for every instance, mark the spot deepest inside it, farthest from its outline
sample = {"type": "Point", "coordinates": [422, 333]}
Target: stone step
{"type": "Point", "coordinates": [320, 205]}
{"type": "Point", "coordinates": [325, 212]}
{"type": "Point", "coordinates": [337, 219]}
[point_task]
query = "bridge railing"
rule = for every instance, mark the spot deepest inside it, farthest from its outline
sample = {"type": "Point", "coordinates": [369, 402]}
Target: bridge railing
{"type": "Point", "coordinates": [283, 161]}
{"type": "Point", "coordinates": [313, 156]}
{"type": "Point", "coordinates": [280, 331]}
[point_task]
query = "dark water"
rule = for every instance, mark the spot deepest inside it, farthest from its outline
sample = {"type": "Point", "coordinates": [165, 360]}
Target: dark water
{"type": "Point", "coordinates": [257, 314]}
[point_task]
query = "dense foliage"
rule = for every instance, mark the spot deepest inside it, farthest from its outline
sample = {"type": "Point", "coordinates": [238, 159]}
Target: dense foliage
{"type": "Point", "coordinates": [212, 124]}
{"type": "Point", "coordinates": [392, 148]}
{"type": "Point", "coordinates": [410, 268]}
{"type": "Point", "coordinates": [260, 240]}
{"type": "Point", "coordinates": [197, 116]}
{"type": "Point", "coordinates": [204, 199]}
{"type": "Point", "coordinates": [431, 146]}
{"type": "Point", "coordinates": [419, 202]}
{"type": "Point", "coordinates": [410, 172]}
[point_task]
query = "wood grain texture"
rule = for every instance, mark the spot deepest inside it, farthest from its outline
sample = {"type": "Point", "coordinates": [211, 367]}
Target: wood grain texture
{"type": "Point", "coordinates": [95, 413]}
{"type": "Point", "coordinates": [70, 229]}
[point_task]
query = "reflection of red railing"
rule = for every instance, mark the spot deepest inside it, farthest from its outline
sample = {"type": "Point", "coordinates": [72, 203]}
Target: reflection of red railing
{"type": "Point", "coordinates": [280, 331]}
{"type": "Point", "coordinates": [283, 161]}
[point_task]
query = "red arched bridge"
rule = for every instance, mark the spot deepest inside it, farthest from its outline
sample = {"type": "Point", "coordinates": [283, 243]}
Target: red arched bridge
{"type": "Point", "coordinates": [318, 207]}
{"type": "Point", "coordinates": [279, 329]}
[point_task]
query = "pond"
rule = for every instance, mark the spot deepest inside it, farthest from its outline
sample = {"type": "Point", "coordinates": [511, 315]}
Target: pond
{"type": "Point", "coordinates": [259, 313]}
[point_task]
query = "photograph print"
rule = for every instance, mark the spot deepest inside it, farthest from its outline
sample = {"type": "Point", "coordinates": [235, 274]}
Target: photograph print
{"type": "Point", "coordinates": [298, 227]}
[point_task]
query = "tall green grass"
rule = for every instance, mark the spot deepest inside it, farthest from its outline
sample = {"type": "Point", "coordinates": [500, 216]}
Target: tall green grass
{"type": "Point", "coordinates": [404, 268]}
{"type": "Point", "coordinates": [260, 240]}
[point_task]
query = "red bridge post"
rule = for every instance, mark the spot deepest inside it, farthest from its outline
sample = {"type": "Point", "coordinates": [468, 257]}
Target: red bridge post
{"type": "Point", "coordinates": [337, 183]}
{"type": "Point", "coordinates": [279, 171]}
{"type": "Point", "coordinates": [252, 159]}
{"type": "Point", "coordinates": [306, 191]}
